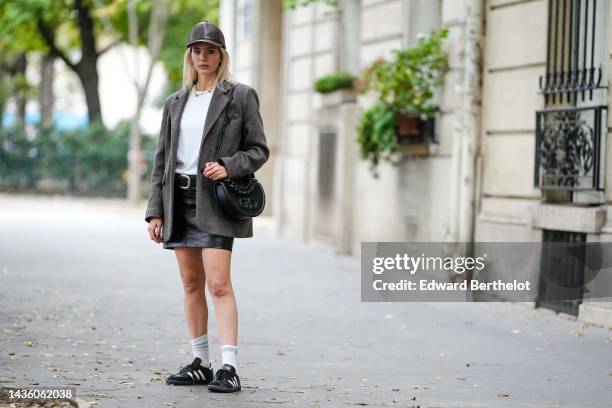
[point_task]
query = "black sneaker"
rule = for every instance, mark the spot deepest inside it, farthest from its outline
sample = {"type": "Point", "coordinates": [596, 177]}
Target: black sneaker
{"type": "Point", "coordinates": [192, 374]}
{"type": "Point", "coordinates": [226, 380]}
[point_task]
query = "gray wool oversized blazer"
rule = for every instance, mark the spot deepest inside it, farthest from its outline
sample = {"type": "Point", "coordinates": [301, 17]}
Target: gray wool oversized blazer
{"type": "Point", "coordinates": [243, 120]}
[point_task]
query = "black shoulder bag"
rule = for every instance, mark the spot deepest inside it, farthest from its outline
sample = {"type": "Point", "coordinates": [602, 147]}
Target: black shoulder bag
{"type": "Point", "coordinates": [239, 198]}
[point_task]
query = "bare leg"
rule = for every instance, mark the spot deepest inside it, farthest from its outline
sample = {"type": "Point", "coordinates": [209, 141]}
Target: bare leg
{"type": "Point", "coordinates": [217, 264]}
{"type": "Point", "coordinates": [193, 275]}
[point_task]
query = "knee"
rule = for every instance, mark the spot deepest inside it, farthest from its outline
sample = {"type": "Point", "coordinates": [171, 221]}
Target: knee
{"type": "Point", "coordinates": [219, 288]}
{"type": "Point", "coordinates": [192, 285]}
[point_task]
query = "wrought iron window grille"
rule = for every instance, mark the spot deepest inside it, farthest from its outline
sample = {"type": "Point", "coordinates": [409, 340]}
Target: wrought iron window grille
{"type": "Point", "coordinates": [571, 48]}
{"type": "Point", "coordinates": [569, 146]}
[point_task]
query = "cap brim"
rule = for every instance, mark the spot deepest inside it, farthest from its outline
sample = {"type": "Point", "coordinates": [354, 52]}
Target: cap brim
{"type": "Point", "coordinates": [189, 44]}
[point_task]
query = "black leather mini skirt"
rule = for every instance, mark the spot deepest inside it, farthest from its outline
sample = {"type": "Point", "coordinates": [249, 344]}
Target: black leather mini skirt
{"type": "Point", "coordinates": [185, 231]}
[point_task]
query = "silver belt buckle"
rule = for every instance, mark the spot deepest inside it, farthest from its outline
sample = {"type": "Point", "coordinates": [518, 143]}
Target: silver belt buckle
{"type": "Point", "coordinates": [188, 181]}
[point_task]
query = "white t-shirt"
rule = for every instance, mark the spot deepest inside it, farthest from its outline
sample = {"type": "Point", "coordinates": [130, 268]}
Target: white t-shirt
{"type": "Point", "coordinates": [191, 132]}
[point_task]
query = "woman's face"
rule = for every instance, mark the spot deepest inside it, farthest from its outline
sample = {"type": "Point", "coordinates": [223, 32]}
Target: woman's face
{"type": "Point", "coordinates": [205, 58]}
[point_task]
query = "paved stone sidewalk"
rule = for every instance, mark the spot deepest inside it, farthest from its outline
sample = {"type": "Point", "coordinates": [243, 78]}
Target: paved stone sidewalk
{"type": "Point", "coordinates": [87, 300]}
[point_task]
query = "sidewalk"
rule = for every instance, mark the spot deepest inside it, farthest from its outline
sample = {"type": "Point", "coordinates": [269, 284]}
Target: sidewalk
{"type": "Point", "coordinates": [87, 300]}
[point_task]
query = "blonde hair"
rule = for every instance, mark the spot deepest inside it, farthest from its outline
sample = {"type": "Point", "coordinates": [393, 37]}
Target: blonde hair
{"type": "Point", "coordinates": [190, 75]}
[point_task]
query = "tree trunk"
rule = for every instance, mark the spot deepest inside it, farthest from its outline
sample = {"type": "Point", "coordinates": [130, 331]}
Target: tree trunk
{"type": "Point", "coordinates": [45, 90]}
{"type": "Point", "coordinates": [21, 64]}
{"type": "Point", "coordinates": [87, 68]}
{"type": "Point", "coordinates": [135, 158]}
{"type": "Point", "coordinates": [4, 91]}
{"type": "Point", "coordinates": [88, 75]}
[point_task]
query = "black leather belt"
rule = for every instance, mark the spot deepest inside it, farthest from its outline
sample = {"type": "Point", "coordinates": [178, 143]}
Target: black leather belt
{"type": "Point", "coordinates": [185, 181]}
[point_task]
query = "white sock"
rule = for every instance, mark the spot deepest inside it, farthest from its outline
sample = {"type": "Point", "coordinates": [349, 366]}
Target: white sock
{"type": "Point", "coordinates": [199, 347]}
{"type": "Point", "coordinates": [229, 354]}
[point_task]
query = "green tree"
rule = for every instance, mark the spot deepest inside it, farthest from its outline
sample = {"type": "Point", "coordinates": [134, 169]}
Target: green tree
{"type": "Point", "coordinates": [156, 29]}
{"type": "Point", "coordinates": [184, 14]}
{"type": "Point", "coordinates": [59, 26]}
{"type": "Point", "coordinates": [16, 43]}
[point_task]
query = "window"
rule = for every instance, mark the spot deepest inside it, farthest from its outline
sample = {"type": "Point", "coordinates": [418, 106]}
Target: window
{"type": "Point", "coordinates": [569, 150]}
{"type": "Point", "coordinates": [245, 19]}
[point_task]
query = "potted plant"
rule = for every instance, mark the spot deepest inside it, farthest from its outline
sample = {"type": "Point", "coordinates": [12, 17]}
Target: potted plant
{"type": "Point", "coordinates": [408, 84]}
{"type": "Point", "coordinates": [336, 88]}
{"type": "Point", "coordinates": [293, 4]}
{"type": "Point", "coordinates": [333, 82]}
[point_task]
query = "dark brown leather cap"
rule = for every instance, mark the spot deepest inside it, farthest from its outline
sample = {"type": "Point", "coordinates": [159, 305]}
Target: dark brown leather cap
{"type": "Point", "coordinates": [206, 32]}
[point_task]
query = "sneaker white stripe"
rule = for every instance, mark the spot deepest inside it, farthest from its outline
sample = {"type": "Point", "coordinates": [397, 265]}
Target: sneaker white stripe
{"type": "Point", "coordinates": [197, 376]}
{"type": "Point", "coordinates": [191, 375]}
{"type": "Point", "coordinates": [201, 375]}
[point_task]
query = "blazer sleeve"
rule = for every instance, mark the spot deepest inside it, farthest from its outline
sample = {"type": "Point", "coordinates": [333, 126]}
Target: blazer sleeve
{"type": "Point", "coordinates": [255, 151]}
{"type": "Point", "coordinates": [155, 203]}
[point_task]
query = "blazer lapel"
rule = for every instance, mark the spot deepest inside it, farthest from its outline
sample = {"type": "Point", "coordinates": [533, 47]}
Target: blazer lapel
{"type": "Point", "coordinates": [218, 102]}
{"type": "Point", "coordinates": [176, 111]}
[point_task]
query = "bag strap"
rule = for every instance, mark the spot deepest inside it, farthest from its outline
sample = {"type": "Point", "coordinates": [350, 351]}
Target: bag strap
{"type": "Point", "coordinates": [223, 128]}
{"type": "Point", "coordinates": [224, 120]}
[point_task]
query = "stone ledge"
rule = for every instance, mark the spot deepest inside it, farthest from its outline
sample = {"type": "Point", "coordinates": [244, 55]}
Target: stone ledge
{"type": "Point", "coordinates": [568, 218]}
{"type": "Point", "coordinates": [337, 97]}
{"type": "Point", "coordinates": [596, 313]}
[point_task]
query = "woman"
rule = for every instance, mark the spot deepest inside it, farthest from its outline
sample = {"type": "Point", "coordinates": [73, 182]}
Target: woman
{"type": "Point", "coordinates": [182, 210]}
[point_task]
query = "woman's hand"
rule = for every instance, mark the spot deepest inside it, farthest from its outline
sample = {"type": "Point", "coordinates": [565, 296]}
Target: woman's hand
{"type": "Point", "coordinates": [214, 171]}
{"type": "Point", "coordinates": [155, 229]}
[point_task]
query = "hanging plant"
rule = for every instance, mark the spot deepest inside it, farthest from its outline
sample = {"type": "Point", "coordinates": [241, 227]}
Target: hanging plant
{"type": "Point", "coordinates": [376, 136]}
{"type": "Point", "coordinates": [406, 87]}
{"type": "Point", "coordinates": [408, 82]}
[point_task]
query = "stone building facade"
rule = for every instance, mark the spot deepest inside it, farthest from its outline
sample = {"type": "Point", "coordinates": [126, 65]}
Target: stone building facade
{"type": "Point", "coordinates": [485, 177]}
